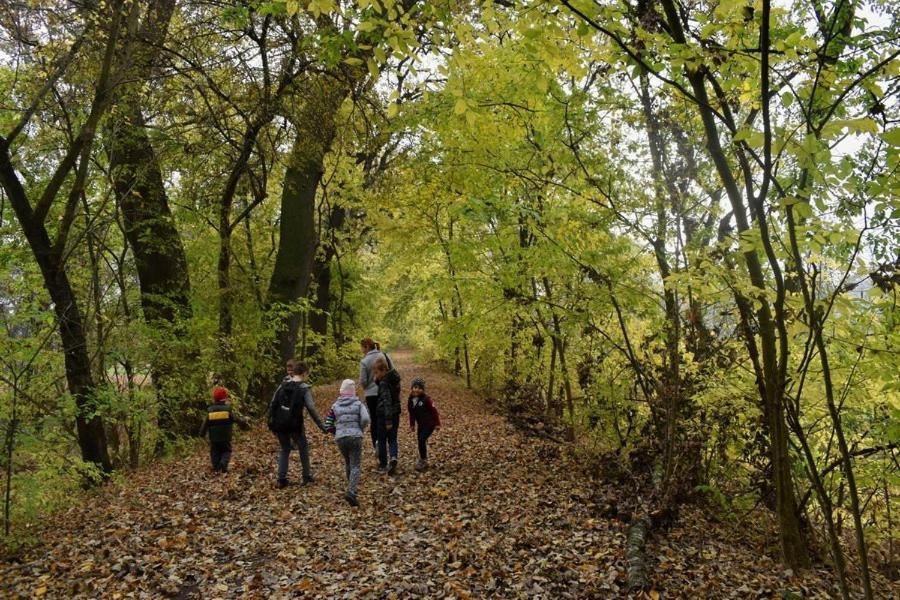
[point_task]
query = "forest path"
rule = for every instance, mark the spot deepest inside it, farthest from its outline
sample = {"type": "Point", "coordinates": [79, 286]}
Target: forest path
{"type": "Point", "coordinates": [491, 518]}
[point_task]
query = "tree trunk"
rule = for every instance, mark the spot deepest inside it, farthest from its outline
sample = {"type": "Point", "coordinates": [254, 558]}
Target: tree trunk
{"type": "Point", "coordinates": [225, 370]}
{"type": "Point", "coordinates": [635, 540]}
{"type": "Point", "coordinates": [795, 552]}
{"type": "Point", "coordinates": [297, 240]}
{"type": "Point", "coordinates": [318, 317]}
{"type": "Point", "coordinates": [150, 229]}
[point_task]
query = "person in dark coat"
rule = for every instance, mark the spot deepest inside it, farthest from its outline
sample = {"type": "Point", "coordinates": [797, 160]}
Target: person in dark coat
{"type": "Point", "coordinates": [286, 421]}
{"type": "Point", "coordinates": [219, 424]}
{"type": "Point", "coordinates": [371, 353]}
{"type": "Point", "coordinates": [387, 413]}
{"type": "Point", "coordinates": [424, 416]}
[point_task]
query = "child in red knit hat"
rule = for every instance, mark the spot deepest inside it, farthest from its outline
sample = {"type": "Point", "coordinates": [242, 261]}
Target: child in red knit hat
{"type": "Point", "coordinates": [219, 423]}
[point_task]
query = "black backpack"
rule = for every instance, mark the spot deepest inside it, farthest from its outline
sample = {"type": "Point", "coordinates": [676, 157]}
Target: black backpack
{"type": "Point", "coordinates": [284, 414]}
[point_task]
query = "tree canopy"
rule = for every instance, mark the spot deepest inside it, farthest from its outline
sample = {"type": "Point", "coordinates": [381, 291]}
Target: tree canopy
{"type": "Point", "coordinates": [668, 229]}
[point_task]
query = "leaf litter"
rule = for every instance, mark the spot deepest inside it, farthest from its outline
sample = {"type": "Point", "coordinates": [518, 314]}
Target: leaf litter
{"type": "Point", "coordinates": [491, 518]}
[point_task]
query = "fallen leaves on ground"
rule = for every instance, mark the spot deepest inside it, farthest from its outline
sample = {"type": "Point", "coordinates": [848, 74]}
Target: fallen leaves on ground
{"type": "Point", "coordinates": [491, 518]}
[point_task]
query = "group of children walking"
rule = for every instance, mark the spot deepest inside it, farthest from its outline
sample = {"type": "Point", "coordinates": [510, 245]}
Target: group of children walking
{"type": "Point", "coordinates": [346, 420]}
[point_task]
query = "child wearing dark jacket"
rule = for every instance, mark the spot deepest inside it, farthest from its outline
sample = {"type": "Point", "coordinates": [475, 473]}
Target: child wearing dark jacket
{"type": "Point", "coordinates": [286, 421]}
{"type": "Point", "coordinates": [387, 415]}
{"type": "Point", "coordinates": [422, 413]}
{"type": "Point", "coordinates": [218, 424]}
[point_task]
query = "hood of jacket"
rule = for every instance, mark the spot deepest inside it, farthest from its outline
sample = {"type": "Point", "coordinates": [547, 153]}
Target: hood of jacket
{"type": "Point", "coordinates": [298, 384]}
{"type": "Point", "coordinates": [344, 401]}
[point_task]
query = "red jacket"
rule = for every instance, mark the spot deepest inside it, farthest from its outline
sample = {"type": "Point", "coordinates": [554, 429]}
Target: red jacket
{"type": "Point", "coordinates": [422, 411]}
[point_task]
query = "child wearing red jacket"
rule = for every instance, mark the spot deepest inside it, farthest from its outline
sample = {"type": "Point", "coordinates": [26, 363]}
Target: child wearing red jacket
{"type": "Point", "coordinates": [422, 413]}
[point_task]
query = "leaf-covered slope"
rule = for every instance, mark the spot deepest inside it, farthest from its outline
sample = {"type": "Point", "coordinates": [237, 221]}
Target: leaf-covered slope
{"type": "Point", "coordinates": [492, 518]}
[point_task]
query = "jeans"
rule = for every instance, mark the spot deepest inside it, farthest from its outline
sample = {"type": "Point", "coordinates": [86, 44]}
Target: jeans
{"type": "Point", "coordinates": [387, 439]}
{"type": "Point", "coordinates": [422, 435]}
{"type": "Point", "coordinates": [372, 405]}
{"type": "Point", "coordinates": [351, 450]}
{"type": "Point", "coordinates": [220, 454]}
{"type": "Point", "coordinates": [287, 441]}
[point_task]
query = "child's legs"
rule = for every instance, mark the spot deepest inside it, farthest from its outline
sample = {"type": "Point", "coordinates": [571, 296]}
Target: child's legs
{"type": "Point", "coordinates": [303, 445]}
{"type": "Point", "coordinates": [372, 404]}
{"type": "Point", "coordinates": [392, 436]}
{"type": "Point", "coordinates": [214, 455]}
{"type": "Point", "coordinates": [382, 443]}
{"type": "Point", "coordinates": [354, 457]}
{"type": "Point", "coordinates": [351, 449]}
{"type": "Point", "coordinates": [285, 440]}
{"type": "Point", "coordinates": [423, 434]}
{"type": "Point", "coordinates": [224, 456]}
{"type": "Point", "coordinates": [355, 460]}
{"type": "Point", "coordinates": [345, 452]}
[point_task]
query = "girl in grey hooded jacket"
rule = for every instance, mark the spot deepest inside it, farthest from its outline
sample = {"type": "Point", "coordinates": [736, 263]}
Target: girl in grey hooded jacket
{"type": "Point", "coordinates": [347, 420]}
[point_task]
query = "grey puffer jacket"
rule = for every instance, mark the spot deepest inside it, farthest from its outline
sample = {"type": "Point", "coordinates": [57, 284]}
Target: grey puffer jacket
{"type": "Point", "coordinates": [348, 417]}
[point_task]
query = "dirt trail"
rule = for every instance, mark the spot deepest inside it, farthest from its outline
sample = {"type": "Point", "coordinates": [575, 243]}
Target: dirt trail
{"type": "Point", "coordinates": [497, 515]}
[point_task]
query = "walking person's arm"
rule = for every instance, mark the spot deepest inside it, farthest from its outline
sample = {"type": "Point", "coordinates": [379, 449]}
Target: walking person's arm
{"type": "Point", "coordinates": [242, 421]}
{"type": "Point", "coordinates": [365, 379]}
{"type": "Point", "coordinates": [311, 407]}
{"type": "Point", "coordinates": [364, 419]}
{"type": "Point", "coordinates": [434, 411]}
{"type": "Point", "coordinates": [272, 407]}
{"type": "Point", "coordinates": [329, 421]}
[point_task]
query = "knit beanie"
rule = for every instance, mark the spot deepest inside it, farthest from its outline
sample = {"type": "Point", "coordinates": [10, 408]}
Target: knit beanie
{"type": "Point", "coordinates": [348, 387]}
{"type": "Point", "coordinates": [220, 393]}
{"type": "Point", "coordinates": [419, 382]}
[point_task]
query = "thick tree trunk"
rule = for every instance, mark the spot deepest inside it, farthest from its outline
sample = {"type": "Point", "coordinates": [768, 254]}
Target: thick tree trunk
{"type": "Point", "coordinates": [297, 240]}
{"type": "Point", "coordinates": [149, 225]}
{"type": "Point", "coordinates": [159, 258]}
{"type": "Point", "coordinates": [318, 318]}
{"type": "Point", "coordinates": [225, 370]}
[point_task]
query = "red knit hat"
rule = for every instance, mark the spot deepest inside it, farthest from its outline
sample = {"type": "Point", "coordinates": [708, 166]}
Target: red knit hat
{"type": "Point", "coordinates": [220, 393]}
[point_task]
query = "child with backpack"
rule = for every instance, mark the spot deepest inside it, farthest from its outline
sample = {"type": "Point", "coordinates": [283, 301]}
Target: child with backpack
{"type": "Point", "coordinates": [388, 415]}
{"type": "Point", "coordinates": [423, 413]}
{"type": "Point", "coordinates": [286, 421]}
{"type": "Point", "coordinates": [218, 424]}
{"type": "Point", "coordinates": [347, 420]}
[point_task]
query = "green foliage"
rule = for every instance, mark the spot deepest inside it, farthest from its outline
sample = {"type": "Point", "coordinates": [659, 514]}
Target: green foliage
{"type": "Point", "coordinates": [529, 195]}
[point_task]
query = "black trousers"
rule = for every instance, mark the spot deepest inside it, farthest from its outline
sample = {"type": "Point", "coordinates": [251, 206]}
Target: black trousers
{"type": "Point", "coordinates": [423, 433]}
{"type": "Point", "coordinates": [372, 404]}
{"type": "Point", "coordinates": [220, 454]}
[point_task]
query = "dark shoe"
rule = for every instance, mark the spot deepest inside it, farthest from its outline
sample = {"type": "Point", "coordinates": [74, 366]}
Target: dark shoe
{"type": "Point", "coordinates": [282, 483]}
{"type": "Point", "coordinates": [307, 479]}
{"type": "Point", "coordinates": [381, 469]}
{"type": "Point", "coordinates": [421, 465]}
{"type": "Point", "coordinates": [392, 466]}
{"type": "Point", "coordinates": [351, 499]}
